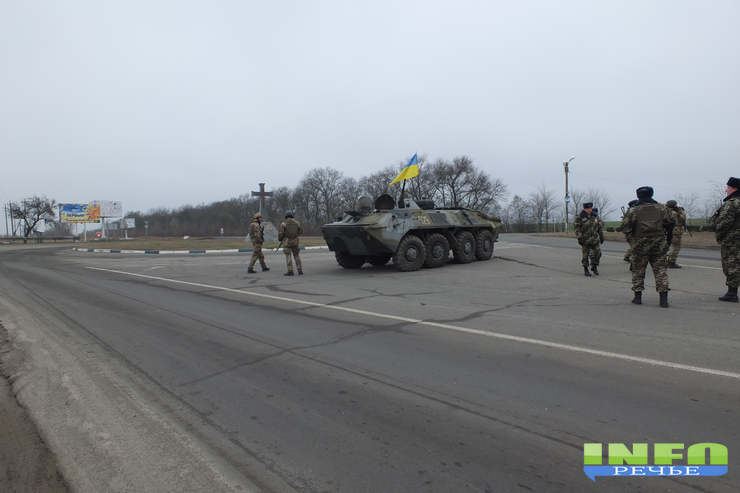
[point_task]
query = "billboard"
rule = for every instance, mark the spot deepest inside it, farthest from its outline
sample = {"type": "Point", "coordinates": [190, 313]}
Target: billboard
{"type": "Point", "coordinates": [109, 209]}
{"type": "Point", "coordinates": [79, 213]}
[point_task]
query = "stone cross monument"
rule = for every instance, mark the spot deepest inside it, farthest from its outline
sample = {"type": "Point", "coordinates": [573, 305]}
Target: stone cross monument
{"type": "Point", "coordinates": [262, 194]}
{"type": "Point", "coordinates": [271, 232]}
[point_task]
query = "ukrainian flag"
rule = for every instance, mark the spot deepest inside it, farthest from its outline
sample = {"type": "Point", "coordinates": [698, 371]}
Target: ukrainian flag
{"type": "Point", "coordinates": [409, 171]}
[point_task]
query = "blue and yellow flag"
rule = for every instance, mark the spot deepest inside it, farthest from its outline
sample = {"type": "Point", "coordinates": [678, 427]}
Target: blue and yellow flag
{"type": "Point", "coordinates": [409, 171]}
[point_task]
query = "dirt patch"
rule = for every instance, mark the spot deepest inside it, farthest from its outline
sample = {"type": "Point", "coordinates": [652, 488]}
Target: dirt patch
{"type": "Point", "coordinates": [25, 462]}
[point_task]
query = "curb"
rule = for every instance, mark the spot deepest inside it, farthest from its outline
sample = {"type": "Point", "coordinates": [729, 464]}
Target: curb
{"type": "Point", "coordinates": [186, 252]}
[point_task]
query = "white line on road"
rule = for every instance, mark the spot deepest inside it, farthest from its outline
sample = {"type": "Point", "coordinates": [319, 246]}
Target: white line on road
{"type": "Point", "coordinates": [564, 347]}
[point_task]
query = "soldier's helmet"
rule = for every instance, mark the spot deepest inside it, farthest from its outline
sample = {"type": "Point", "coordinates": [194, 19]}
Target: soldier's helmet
{"type": "Point", "coordinates": [257, 215]}
{"type": "Point", "coordinates": [671, 203]}
{"type": "Point", "coordinates": [288, 214]}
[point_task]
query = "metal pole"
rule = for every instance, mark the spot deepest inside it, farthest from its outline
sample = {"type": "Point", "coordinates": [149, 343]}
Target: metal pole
{"type": "Point", "coordinates": [567, 196]}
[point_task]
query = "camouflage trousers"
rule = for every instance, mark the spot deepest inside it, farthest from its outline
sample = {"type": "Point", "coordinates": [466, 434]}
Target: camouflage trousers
{"type": "Point", "coordinates": [730, 252]}
{"type": "Point", "coordinates": [675, 248]}
{"type": "Point", "coordinates": [628, 253]}
{"type": "Point", "coordinates": [593, 251]}
{"type": "Point", "coordinates": [650, 251]}
{"type": "Point", "coordinates": [257, 255]}
{"type": "Point", "coordinates": [296, 252]}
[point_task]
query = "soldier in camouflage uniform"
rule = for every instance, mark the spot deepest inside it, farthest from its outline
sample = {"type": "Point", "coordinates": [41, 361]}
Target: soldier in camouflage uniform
{"type": "Point", "coordinates": [727, 232]}
{"type": "Point", "coordinates": [646, 226]}
{"type": "Point", "coordinates": [628, 253]}
{"type": "Point", "coordinates": [257, 235]}
{"type": "Point", "coordinates": [595, 213]}
{"type": "Point", "coordinates": [288, 235]}
{"type": "Point", "coordinates": [680, 215]}
{"type": "Point", "coordinates": [590, 235]}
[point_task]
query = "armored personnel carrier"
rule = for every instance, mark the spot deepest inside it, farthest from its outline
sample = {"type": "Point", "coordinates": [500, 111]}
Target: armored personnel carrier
{"type": "Point", "coordinates": [411, 233]}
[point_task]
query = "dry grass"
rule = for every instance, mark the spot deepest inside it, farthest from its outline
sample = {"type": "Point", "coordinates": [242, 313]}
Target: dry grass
{"type": "Point", "coordinates": [175, 244]}
{"type": "Point", "coordinates": [702, 239]}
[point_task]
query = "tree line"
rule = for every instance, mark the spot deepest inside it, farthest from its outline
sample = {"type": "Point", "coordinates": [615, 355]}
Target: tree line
{"type": "Point", "coordinates": [322, 194]}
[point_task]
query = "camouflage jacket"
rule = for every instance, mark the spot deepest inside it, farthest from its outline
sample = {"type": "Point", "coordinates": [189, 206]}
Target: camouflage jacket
{"type": "Point", "coordinates": [256, 233]}
{"type": "Point", "coordinates": [680, 215]}
{"type": "Point", "coordinates": [289, 242]}
{"type": "Point", "coordinates": [727, 226]}
{"type": "Point", "coordinates": [589, 229]}
{"type": "Point", "coordinates": [629, 221]}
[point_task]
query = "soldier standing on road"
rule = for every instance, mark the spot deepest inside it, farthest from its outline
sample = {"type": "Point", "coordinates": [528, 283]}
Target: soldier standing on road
{"type": "Point", "coordinates": [727, 232]}
{"type": "Point", "coordinates": [646, 226]}
{"type": "Point", "coordinates": [288, 234]}
{"type": "Point", "coordinates": [257, 235]}
{"type": "Point", "coordinates": [680, 215]}
{"type": "Point", "coordinates": [628, 253]}
{"type": "Point", "coordinates": [590, 235]}
{"type": "Point", "coordinates": [595, 213]}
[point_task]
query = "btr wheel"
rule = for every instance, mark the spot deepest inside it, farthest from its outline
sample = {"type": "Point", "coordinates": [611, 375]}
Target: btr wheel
{"type": "Point", "coordinates": [438, 248]}
{"type": "Point", "coordinates": [484, 245]}
{"type": "Point", "coordinates": [464, 251]}
{"type": "Point", "coordinates": [378, 260]}
{"type": "Point", "coordinates": [349, 261]}
{"type": "Point", "coordinates": [410, 254]}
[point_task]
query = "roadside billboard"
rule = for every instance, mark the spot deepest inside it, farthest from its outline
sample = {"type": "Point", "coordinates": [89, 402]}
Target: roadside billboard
{"type": "Point", "coordinates": [109, 208]}
{"type": "Point", "coordinates": [79, 213]}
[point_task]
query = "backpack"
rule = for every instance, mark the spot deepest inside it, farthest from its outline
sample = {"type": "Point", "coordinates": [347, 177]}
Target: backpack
{"type": "Point", "coordinates": [648, 220]}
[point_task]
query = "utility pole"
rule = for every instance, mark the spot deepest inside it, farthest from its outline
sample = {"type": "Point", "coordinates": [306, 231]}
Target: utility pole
{"type": "Point", "coordinates": [567, 195]}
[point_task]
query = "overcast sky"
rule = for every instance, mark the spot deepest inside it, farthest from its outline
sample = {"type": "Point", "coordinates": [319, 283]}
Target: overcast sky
{"type": "Point", "coordinates": [165, 103]}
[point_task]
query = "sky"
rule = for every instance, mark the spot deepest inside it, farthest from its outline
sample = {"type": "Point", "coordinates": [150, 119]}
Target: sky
{"type": "Point", "coordinates": [167, 103]}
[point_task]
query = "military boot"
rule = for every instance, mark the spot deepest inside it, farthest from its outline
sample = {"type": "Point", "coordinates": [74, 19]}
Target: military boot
{"type": "Point", "coordinates": [288, 274]}
{"type": "Point", "coordinates": [664, 299]}
{"type": "Point", "coordinates": [595, 270]}
{"type": "Point", "coordinates": [300, 272]}
{"type": "Point", "coordinates": [731, 295]}
{"type": "Point", "coordinates": [637, 300]}
{"type": "Point", "coordinates": [265, 269]}
{"type": "Point", "coordinates": [585, 271]}
{"type": "Point", "coordinates": [674, 265]}
{"type": "Point", "coordinates": [251, 271]}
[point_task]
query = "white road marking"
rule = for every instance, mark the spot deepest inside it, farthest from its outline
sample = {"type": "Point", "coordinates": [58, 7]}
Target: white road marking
{"type": "Point", "coordinates": [526, 340]}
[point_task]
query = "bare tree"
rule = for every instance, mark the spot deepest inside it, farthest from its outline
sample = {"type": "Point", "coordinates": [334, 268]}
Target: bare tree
{"type": "Point", "coordinates": [321, 189]}
{"type": "Point", "coordinates": [33, 211]}
{"type": "Point", "coordinates": [712, 202]}
{"type": "Point", "coordinates": [461, 184]}
{"type": "Point", "coordinates": [544, 206]}
{"type": "Point", "coordinates": [601, 199]}
{"type": "Point", "coordinates": [518, 215]}
{"type": "Point", "coordinates": [690, 203]}
{"type": "Point", "coordinates": [377, 184]}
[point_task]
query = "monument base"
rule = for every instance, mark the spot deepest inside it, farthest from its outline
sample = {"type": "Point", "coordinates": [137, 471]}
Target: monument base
{"type": "Point", "coordinates": [271, 232]}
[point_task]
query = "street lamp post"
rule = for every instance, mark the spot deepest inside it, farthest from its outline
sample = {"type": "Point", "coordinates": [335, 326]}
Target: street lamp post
{"type": "Point", "coordinates": [567, 196]}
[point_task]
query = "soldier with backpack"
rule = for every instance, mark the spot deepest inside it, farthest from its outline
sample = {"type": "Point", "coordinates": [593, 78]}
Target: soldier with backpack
{"type": "Point", "coordinates": [288, 234]}
{"type": "Point", "coordinates": [648, 227]}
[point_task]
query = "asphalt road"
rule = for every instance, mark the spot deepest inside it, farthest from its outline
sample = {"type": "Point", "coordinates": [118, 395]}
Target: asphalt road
{"type": "Point", "coordinates": [183, 373]}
